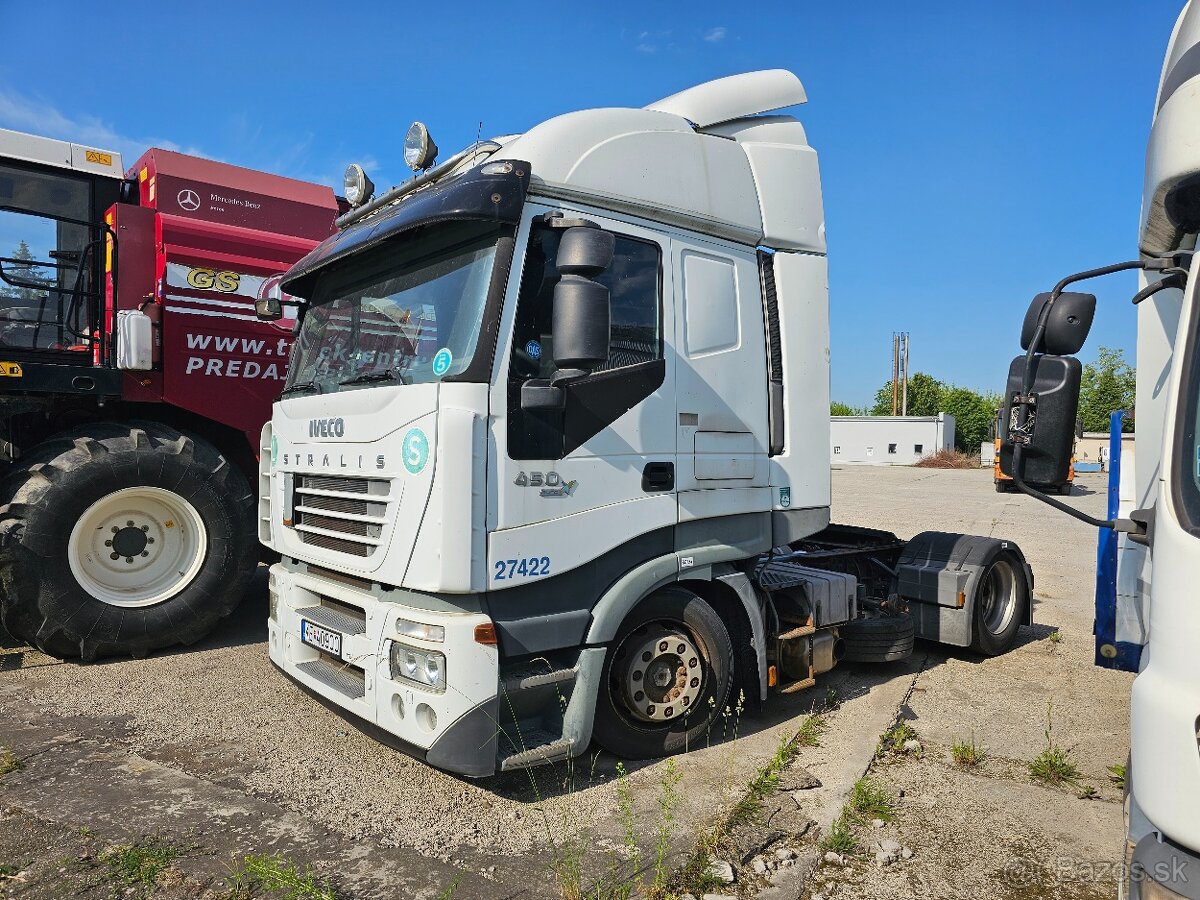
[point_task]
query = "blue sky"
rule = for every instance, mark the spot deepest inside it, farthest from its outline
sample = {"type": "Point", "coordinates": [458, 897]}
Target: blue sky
{"type": "Point", "coordinates": [971, 153]}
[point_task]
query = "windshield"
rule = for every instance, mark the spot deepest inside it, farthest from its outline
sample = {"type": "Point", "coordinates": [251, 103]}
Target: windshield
{"type": "Point", "coordinates": [409, 312]}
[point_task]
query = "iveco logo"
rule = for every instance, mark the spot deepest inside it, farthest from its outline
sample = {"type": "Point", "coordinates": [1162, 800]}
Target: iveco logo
{"type": "Point", "coordinates": [326, 427]}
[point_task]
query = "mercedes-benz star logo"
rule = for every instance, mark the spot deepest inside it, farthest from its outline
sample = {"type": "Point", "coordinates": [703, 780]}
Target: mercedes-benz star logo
{"type": "Point", "coordinates": [189, 199]}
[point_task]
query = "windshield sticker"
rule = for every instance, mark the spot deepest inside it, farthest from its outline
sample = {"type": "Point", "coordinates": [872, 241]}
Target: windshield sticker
{"type": "Point", "coordinates": [416, 450]}
{"type": "Point", "coordinates": [533, 350]}
{"type": "Point", "coordinates": [441, 361]}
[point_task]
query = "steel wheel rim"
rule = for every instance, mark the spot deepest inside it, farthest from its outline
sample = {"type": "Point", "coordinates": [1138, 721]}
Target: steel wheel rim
{"type": "Point", "coordinates": [137, 547]}
{"type": "Point", "coordinates": [660, 673]}
{"type": "Point", "coordinates": [999, 597]}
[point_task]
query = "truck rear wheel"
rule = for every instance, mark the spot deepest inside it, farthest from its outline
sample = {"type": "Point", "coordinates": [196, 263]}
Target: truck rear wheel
{"type": "Point", "coordinates": [119, 539]}
{"type": "Point", "coordinates": [1000, 600]}
{"type": "Point", "coordinates": [666, 678]}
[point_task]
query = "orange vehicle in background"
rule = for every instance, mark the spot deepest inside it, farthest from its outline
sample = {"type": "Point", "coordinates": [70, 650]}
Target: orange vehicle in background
{"type": "Point", "coordinates": [1004, 484]}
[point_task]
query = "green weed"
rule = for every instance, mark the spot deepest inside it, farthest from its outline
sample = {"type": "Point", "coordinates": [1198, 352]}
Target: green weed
{"type": "Point", "coordinates": [892, 740]}
{"type": "Point", "coordinates": [1053, 765]}
{"type": "Point", "coordinates": [141, 863]}
{"type": "Point", "coordinates": [966, 756]}
{"type": "Point", "coordinates": [810, 731]}
{"type": "Point", "coordinates": [280, 876]}
{"type": "Point", "coordinates": [9, 762]}
{"type": "Point", "coordinates": [841, 838]}
{"type": "Point", "coordinates": [1055, 637]}
{"type": "Point", "coordinates": [1116, 774]}
{"type": "Point", "coordinates": [870, 800]}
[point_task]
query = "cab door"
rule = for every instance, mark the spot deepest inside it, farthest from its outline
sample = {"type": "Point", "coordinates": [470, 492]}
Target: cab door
{"type": "Point", "coordinates": [584, 494]}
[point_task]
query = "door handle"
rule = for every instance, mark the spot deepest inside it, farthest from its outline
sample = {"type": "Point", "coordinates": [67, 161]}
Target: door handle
{"type": "Point", "coordinates": [658, 476]}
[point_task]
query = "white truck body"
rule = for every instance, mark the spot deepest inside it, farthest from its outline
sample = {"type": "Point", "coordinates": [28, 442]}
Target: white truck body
{"type": "Point", "coordinates": [428, 519]}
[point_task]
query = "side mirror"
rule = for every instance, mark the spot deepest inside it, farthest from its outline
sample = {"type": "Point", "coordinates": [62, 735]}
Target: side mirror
{"type": "Point", "coordinates": [581, 317]}
{"type": "Point", "coordinates": [1068, 326]}
{"type": "Point", "coordinates": [268, 309]}
{"type": "Point", "coordinates": [1046, 458]}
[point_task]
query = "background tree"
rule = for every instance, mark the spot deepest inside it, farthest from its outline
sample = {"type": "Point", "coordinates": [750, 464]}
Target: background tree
{"type": "Point", "coordinates": [973, 411]}
{"type": "Point", "coordinates": [837, 408]}
{"type": "Point", "coordinates": [973, 414]}
{"type": "Point", "coordinates": [1108, 385]}
{"type": "Point", "coordinates": [23, 271]}
{"type": "Point", "coordinates": [924, 395]}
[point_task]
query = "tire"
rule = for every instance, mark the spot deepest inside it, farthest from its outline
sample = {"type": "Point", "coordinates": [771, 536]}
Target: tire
{"type": "Point", "coordinates": [622, 725]}
{"type": "Point", "coordinates": [191, 550]}
{"type": "Point", "coordinates": [1001, 594]}
{"type": "Point", "coordinates": [1064, 490]}
{"type": "Point", "coordinates": [878, 639]}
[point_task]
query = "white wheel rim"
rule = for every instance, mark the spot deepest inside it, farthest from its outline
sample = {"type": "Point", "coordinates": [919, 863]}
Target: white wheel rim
{"type": "Point", "coordinates": [137, 547]}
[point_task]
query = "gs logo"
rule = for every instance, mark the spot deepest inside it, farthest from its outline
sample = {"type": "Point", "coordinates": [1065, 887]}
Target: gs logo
{"type": "Point", "coordinates": [210, 280]}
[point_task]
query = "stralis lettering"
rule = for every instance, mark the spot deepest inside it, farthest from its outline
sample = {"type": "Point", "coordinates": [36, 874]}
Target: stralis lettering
{"type": "Point", "coordinates": [326, 428]}
{"type": "Point", "coordinates": [329, 460]}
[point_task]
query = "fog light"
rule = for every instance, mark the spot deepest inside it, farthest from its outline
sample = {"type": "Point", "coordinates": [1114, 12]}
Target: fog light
{"type": "Point", "coordinates": [420, 631]}
{"type": "Point", "coordinates": [419, 149]}
{"type": "Point", "coordinates": [357, 186]}
{"type": "Point", "coordinates": [424, 667]}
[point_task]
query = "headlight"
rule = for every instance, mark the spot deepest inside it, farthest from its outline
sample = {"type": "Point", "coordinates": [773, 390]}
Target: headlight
{"type": "Point", "coordinates": [424, 667]}
{"type": "Point", "coordinates": [419, 149]}
{"type": "Point", "coordinates": [357, 186]}
{"type": "Point", "coordinates": [274, 603]}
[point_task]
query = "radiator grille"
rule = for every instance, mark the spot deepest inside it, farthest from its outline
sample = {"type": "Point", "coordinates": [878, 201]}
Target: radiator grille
{"type": "Point", "coordinates": [345, 514]}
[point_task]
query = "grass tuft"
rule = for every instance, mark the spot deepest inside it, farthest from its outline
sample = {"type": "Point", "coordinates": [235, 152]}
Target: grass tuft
{"type": "Point", "coordinates": [141, 863]}
{"type": "Point", "coordinates": [841, 837]}
{"type": "Point", "coordinates": [9, 761]}
{"type": "Point", "coordinates": [1053, 765]}
{"type": "Point", "coordinates": [279, 876]}
{"type": "Point", "coordinates": [870, 800]}
{"type": "Point", "coordinates": [966, 756]}
{"type": "Point", "coordinates": [1116, 774]}
{"type": "Point", "coordinates": [892, 740]}
{"type": "Point", "coordinates": [810, 731]}
{"type": "Point", "coordinates": [1055, 637]}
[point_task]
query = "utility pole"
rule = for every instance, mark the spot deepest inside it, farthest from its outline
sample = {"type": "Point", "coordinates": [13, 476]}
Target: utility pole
{"type": "Point", "coordinates": [895, 372]}
{"type": "Point", "coordinates": [904, 401]}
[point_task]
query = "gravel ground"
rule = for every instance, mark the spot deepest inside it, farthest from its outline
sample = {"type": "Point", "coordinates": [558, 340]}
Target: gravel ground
{"type": "Point", "coordinates": [221, 713]}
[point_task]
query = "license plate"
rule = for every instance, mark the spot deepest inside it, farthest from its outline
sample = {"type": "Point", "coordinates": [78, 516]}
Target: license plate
{"type": "Point", "coordinates": [321, 638]}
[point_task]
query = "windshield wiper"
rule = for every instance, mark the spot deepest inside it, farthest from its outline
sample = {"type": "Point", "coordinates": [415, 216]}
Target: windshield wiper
{"type": "Point", "coordinates": [382, 375]}
{"type": "Point", "coordinates": [302, 386]}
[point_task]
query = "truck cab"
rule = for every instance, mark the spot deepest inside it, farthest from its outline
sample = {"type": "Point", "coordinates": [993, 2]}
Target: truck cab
{"type": "Point", "coordinates": [550, 409]}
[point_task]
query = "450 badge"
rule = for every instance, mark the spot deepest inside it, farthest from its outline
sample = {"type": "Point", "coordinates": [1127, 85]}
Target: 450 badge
{"type": "Point", "coordinates": [551, 483]}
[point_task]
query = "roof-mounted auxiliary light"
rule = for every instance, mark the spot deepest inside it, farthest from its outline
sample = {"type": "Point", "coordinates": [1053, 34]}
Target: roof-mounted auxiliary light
{"type": "Point", "coordinates": [503, 167]}
{"type": "Point", "coordinates": [357, 186]}
{"type": "Point", "coordinates": [419, 149]}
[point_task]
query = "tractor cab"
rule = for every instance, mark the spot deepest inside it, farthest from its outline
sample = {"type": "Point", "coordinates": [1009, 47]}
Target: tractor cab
{"type": "Point", "coordinates": [55, 253]}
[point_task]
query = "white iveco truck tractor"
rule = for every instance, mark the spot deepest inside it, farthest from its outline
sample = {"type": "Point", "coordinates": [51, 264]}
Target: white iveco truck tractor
{"type": "Point", "coordinates": [552, 461]}
{"type": "Point", "coordinates": [1147, 614]}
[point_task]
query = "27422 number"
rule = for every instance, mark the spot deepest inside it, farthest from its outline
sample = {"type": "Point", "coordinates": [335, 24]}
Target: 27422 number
{"type": "Point", "coordinates": [530, 567]}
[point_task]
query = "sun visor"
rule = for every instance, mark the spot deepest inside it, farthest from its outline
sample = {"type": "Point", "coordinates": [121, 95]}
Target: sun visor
{"type": "Point", "coordinates": [472, 195]}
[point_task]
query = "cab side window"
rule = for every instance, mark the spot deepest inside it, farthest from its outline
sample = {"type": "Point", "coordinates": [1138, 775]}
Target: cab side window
{"type": "Point", "coordinates": [634, 282]}
{"type": "Point", "coordinates": [635, 367]}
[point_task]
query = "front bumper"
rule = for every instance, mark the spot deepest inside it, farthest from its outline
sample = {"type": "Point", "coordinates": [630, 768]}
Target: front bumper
{"type": "Point", "coordinates": [455, 729]}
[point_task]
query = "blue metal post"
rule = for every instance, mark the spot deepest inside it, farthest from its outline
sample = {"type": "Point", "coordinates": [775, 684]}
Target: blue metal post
{"type": "Point", "coordinates": [1109, 653]}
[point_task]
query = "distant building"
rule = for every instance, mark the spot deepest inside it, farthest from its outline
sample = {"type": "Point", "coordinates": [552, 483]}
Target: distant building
{"type": "Point", "coordinates": [888, 440]}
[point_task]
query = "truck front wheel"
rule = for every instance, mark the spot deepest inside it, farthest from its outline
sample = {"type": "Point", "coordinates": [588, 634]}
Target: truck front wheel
{"type": "Point", "coordinates": [666, 678]}
{"type": "Point", "coordinates": [120, 539]}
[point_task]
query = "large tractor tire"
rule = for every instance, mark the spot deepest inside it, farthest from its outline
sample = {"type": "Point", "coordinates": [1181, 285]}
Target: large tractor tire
{"type": "Point", "coordinates": [666, 678]}
{"type": "Point", "coordinates": [123, 539]}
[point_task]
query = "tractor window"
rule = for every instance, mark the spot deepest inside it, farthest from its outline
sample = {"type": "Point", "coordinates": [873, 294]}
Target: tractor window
{"type": "Point", "coordinates": [42, 294]}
